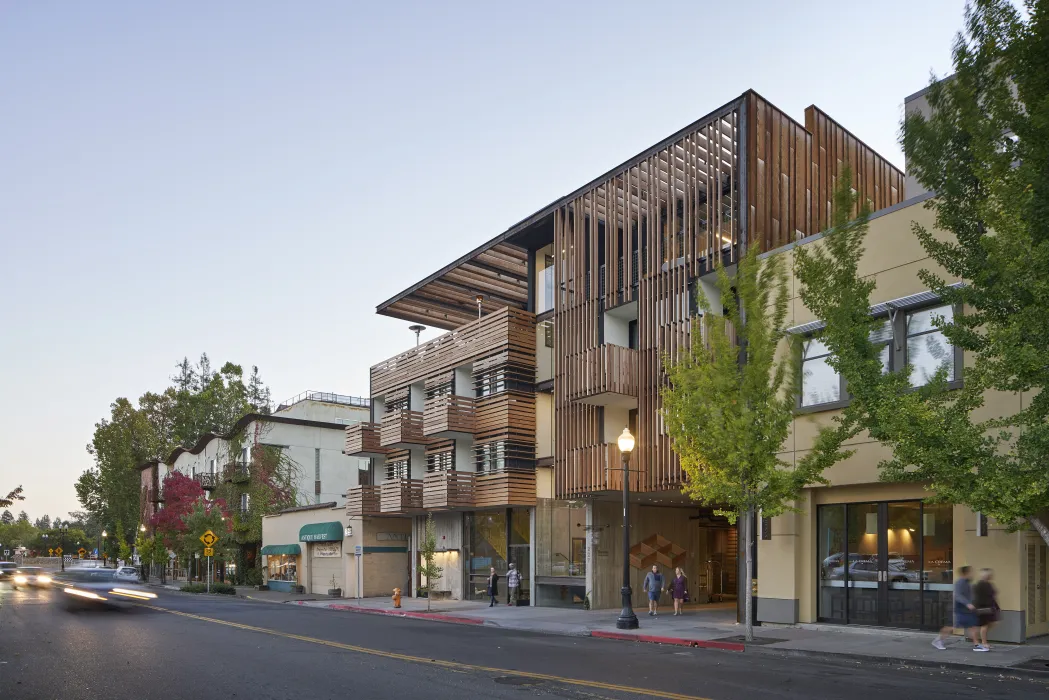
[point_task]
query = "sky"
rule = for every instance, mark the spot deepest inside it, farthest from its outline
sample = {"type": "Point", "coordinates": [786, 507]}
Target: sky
{"type": "Point", "coordinates": [249, 179]}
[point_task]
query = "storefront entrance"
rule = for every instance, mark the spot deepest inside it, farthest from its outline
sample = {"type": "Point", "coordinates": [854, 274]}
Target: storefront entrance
{"type": "Point", "coordinates": [887, 564]}
{"type": "Point", "coordinates": [496, 538]}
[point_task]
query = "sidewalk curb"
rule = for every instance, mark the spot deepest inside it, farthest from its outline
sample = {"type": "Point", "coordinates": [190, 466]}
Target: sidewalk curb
{"type": "Point", "coordinates": [435, 617]}
{"type": "Point", "coordinates": [896, 661]}
{"type": "Point", "coordinates": [678, 641]}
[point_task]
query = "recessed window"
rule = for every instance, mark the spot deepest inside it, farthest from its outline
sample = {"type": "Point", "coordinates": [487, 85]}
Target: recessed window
{"type": "Point", "coordinates": [928, 349]}
{"type": "Point", "coordinates": [819, 382]}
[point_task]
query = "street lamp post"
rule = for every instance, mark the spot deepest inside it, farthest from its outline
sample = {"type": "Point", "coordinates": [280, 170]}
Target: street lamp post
{"type": "Point", "coordinates": [102, 547]}
{"type": "Point", "coordinates": [627, 619]}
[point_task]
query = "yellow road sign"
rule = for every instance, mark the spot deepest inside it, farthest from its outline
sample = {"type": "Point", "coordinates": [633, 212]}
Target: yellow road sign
{"type": "Point", "coordinates": [209, 552]}
{"type": "Point", "coordinates": [209, 538]}
{"type": "Point", "coordinates": [81, 551]}
{"type": "Point", "coordinates": [51, 552]}
{"type": "Point", "coordinates": [58, 551]}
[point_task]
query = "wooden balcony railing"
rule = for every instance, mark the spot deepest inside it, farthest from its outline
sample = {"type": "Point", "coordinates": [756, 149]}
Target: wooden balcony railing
{"type": "Point", "coordinates": [362, 440]}
{"type": "Point", "coordinates": [448, 489]}
{"type": "Point", "coordinates": [596, 468]}
{"type": "Point", "coordinates": [401, 496]}
{"type": "Point", "coordinates": [505, 488]}
{"type": "Point", "coordinates": [362, 500]}
{"type": "Point", "coordinates": [603, 376]}
{"type": "Point", "coordinates": [401, 429]}
{"type": "Point", "coordinates": [449, 415]}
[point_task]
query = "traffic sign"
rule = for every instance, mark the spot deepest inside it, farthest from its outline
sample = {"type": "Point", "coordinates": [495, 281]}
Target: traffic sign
{"type": "Point", "coordinates": [51, 552]}
{"type": "Point", "coordinates": [58, 551]}
{"type": "Point", "coordinates": [7, 552]}
{"type": "Point", "coordinates": [81, 552]}
{"type": "Point", "coordinates": [209, 552]}
{"type": "Point", "coordinates": [209, 538]}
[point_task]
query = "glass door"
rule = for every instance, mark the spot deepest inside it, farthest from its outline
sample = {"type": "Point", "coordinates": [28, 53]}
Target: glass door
{"type": "Point", "coordinates": [901, 575]}
{"type": "Point", "coordinates": [863, 564]}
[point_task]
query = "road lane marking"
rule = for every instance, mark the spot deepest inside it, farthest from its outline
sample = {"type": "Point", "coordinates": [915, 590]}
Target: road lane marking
{"type": "Point", "coordinates": [448, 665]}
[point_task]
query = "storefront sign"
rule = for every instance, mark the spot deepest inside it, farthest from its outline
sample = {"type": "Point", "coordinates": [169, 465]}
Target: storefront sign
{"type": "Point", "coordinates": [391, 536]}
{"type": "Point", "coordinates": [327, 549]}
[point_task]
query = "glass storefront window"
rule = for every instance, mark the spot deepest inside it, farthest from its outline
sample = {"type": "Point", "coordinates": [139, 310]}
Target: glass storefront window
{"type": "Point", "coordinates": [938, 564]}
{"type": "Point", "coordinates": [560, 528]}
{"type": "Point", "coordinates": [282, 567]}
{"type": "Point", "coordinates": [832, 554]}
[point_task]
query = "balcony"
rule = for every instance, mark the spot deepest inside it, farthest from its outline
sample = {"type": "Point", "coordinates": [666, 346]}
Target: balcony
{"type": "Point", "coordinates": [504, 488]}
{"type": "Point", "coordinates": [445, 490]}
{"type": "Point", "coordinates": [362, 500]}
{"type": "Point", "coordinates": [401, 496]}
{"type": "Point", "coordinates": [362, 440]}
{"type": "Point", "coordinates": [603, 376]}
{"type": "Point", "coordinates": [596, 468]}
{"type": "Point", "coordinates": [402, 429]}
{"type": "Point", "coordinates": [236, 472]}
{"type": "Point", "coordinates": [207, 480]}
{"type": "Point", "coordinates": [449, 416]}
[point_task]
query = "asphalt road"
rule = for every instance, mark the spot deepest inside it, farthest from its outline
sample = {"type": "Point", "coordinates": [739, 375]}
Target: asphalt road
{"type": "Point", "coordinates": [218, 647]}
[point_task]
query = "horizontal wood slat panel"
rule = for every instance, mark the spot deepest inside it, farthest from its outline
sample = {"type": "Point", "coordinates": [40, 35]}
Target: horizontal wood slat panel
{"type": "Point", "coordinates": [507, 488]}
{"type": "Point", "coordinates": [402, 428]}
{"type": "Point", "coordinates": [448, 489]}
{"type": "Point", "coordinates": [362, 500]}
{"type": "Point", "coordinates": [510, 414]}
{"type": "Point", "coordinates": [449, 413]}
{"type": "Point", "coordinates": [606, 369]}
{"type": "Point", "coordinates": [363, 439]}
{"type": "Point", "coordinates": [507, 330]}
{"type": "Point", "coordinates": [401, 496]}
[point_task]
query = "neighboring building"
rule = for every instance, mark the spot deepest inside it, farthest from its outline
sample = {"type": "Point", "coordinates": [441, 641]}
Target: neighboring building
{"type": "Point", "coordinates": [311, 546]}
{"type": "Point", "coordinates": [308, 431]}
{"type": "Point", "coordinates": [504, 428]}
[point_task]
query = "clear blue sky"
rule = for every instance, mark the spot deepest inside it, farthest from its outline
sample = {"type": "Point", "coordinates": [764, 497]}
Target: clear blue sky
{"type": "Point", "coordinates": [251, 178]}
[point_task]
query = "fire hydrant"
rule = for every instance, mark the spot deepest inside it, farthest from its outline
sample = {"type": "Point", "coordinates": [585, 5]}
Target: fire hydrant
{"type": "Point", "coordinates": [396, 597]}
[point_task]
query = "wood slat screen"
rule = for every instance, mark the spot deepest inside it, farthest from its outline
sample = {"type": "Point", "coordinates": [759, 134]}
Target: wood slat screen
{"type": "Point", "coordinates": [362, 500]}
{"type": "Point", "coordinates": [448, 489]}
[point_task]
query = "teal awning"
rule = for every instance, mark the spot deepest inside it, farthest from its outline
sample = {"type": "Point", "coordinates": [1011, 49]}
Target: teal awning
{"type": "Point", "coordinates": [272, 549]}
{"type": "Point", "coordinates": [321, 532]}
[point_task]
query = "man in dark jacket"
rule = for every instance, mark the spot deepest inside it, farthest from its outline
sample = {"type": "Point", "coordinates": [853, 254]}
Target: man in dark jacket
{"type": "Point", "coordinates": [493, 587]}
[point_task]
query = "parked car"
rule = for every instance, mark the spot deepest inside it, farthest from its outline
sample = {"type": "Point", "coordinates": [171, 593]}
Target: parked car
{"type": "Point", "coordinates": [868, 571]}
{"type": "Point", "coordinates": [25, 576]}
{"type": "Point", "coordinates": [127, 573]}
{"type": "Point", "coordinates": [99, 587]}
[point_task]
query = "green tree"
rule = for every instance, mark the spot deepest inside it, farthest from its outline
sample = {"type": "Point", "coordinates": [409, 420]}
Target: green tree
{"type": "Point", "coordinates": [728, 407]}
{"type": "Point", "coordinates": [984, 150]}
{"type": "Point", "coordinates": [7, 517]}
{"type": "Point", "coordinates": [428, 549]}
{"type": "Point", "coordinates": [10, 498]}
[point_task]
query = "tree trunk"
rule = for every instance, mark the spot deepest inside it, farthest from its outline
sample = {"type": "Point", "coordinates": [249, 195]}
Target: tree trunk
{"type": "Point", "coordinates": [1038, 525]}
{"type": "Point", "coordinates": [747, 588]}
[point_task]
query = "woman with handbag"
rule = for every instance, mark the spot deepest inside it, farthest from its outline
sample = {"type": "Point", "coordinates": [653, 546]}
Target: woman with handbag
{"type": "Point", "coordinates": [679, 589]}
{"type": "Point", "coordinates": [985, 598]}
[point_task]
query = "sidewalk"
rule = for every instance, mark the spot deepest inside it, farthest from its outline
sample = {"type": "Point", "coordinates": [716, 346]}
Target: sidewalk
{"type": "Point", "coordinates": [715, 627]}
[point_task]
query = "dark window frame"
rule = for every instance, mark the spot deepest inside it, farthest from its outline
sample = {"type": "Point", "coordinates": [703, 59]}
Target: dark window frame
{"type": "Point", "coordinates": [897, 317]}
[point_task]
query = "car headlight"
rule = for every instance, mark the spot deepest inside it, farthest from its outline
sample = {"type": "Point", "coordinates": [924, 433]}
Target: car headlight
{"type": "Point", "coordinates": [43, 579]}
{"type": "Point", "coordinates": [21, 579]}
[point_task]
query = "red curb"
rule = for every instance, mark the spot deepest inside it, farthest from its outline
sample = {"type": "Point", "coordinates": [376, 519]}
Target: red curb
{"type": "Point", "coordinates": [678, 641]}
{"type": "Point", "coordinates": [439, 617]}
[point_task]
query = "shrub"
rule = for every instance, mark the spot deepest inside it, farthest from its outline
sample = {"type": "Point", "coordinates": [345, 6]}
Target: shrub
{"type": "Point", "coordinates": [223, 588]}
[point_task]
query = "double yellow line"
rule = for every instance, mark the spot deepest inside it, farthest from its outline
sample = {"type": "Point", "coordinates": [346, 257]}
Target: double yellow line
{"type": "Point", "coordinates": [450, 665]}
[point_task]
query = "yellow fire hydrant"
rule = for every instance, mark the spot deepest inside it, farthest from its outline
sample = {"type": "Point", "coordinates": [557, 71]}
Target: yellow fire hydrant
{"type": "Point", "coordinates": [396, 597]}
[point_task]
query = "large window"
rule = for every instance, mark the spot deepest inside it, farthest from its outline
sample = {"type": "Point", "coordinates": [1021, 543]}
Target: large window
{"type": "Point", "coordinates": [926, 349]}
{"type": "Point", "coordinates": [544, 279]}
{"type": "Point", "coordinates": [560, 528]}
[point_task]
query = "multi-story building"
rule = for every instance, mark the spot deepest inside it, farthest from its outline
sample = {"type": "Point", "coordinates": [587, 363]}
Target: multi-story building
{"type": "Point", "coordinates": [308, 432]}
{"type": "Point", "coordinates": [505, 427]}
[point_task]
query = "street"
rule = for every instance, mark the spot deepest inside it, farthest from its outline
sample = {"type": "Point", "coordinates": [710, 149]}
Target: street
{"type": "Point", "coordinates": [224, 647]}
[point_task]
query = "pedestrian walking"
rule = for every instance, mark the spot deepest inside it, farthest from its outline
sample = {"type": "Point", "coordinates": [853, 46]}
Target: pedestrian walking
{"type": "Point", "coordinates": [513, 582]}
{"type": "Point", "coordinates": [493, 587]}
{"type": "Point", "coordinates": [654, 585]}
{"type": "Point", "coordinates": [985, 598]}
{"type": "Point", "coordinates": [679, 589]}
{"type": "Point", "coordinates": [964, 610]}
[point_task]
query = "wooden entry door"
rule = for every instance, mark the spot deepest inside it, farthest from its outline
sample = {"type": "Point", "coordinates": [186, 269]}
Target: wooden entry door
{"type": "Point", "coordinates": [1037, 553]}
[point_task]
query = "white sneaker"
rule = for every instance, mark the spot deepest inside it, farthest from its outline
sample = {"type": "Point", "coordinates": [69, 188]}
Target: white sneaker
{"type": "Point", "coordinates": [981, 647]}
{"type": "Point", "coordinates": [938, 643]}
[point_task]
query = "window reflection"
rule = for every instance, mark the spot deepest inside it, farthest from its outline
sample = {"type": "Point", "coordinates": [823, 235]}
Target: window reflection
{"type": "Point", "coordinates": [819, 382]}
{"type": "Point", "coordinates": [927, 348]}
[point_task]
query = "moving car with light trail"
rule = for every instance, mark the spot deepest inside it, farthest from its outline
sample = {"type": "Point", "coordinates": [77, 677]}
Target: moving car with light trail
{"type": "Point", "coordinates": [99, 587]}
{"type": "Point", "coordinates": [25, 576]}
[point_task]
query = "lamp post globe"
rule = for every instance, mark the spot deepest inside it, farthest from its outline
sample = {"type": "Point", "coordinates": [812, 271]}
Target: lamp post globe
{"type": "Point", "coordinates": [627, 619]}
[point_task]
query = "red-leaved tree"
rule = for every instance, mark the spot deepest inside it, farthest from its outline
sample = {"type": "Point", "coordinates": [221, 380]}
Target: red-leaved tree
{"type": "Point", "coordinates": [181, 495]}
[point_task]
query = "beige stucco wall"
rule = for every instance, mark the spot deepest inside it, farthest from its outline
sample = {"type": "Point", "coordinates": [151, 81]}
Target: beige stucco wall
{"type": "Point", "coordinates": [284, 529]}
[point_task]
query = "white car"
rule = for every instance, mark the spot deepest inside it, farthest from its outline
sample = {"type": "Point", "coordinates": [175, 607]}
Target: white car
{"type": "Point", "coordinates": [127, 573]}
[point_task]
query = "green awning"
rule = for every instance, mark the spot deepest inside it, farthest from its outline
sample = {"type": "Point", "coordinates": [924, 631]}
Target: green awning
{"type": "Point", "coordinates": [272, 549]}
{"type": "Point", "coordinates": [321, 532]}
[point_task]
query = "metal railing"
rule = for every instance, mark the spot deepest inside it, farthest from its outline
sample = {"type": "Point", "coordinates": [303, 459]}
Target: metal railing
{"type": "Point", "coordinates": [326, 397]}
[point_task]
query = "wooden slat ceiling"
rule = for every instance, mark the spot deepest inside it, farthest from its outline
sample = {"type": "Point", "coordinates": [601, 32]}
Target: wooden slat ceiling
{"type": "Point", "coordinates": [499, 275]}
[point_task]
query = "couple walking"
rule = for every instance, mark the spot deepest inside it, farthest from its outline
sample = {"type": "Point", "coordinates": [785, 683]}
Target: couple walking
{"type": "Point", "coordinates": [513, 583]}
{"type": "Point", "coordinates": [975, 608]}
{"type": "Point", "coordinates": [655, 585]}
